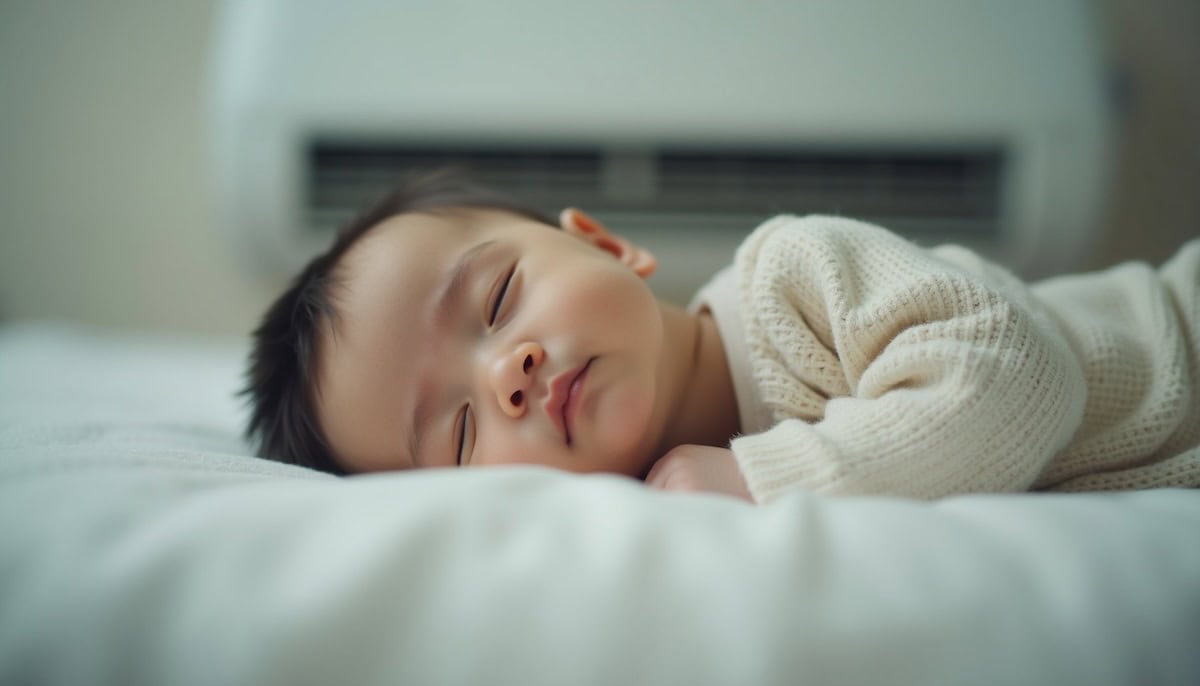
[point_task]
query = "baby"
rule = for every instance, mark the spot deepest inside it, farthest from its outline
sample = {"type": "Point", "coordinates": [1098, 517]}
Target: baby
{"type": "Point", "coordinates": [448, 326]}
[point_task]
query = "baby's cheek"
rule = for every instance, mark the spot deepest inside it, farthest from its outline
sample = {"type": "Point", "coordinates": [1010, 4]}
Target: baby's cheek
{"type": "Point", "coordinates": [622, 424]}
{"type": "Point", "coordinates": [511, 446]}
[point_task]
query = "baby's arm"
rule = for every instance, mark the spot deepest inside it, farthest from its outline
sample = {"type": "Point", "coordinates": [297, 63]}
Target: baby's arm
{"type": "Point", "coordinates": [951, 381]}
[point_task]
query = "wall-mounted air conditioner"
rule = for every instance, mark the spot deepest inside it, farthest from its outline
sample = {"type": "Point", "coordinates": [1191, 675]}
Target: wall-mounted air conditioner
{"type": "Point", "coordinates": [683, 124]}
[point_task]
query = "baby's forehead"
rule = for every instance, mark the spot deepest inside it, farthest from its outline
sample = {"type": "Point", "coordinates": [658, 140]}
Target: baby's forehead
{"type": "Point", "coordinates": [420, 241]}
{"type": "Point", "coordinates": [399, 249]}
{"type": "Point", "coordinates": [392, 265]}
{"type": "Point", "coordinates": [367, 351]}
{"type": "Point", "coordinates": [381, 283]}
{"type": "Point", "coordinates": [410, 231]}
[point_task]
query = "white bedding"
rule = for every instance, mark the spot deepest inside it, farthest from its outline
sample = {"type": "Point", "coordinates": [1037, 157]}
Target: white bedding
{"type": "Point", "coordinates": [139, 544]}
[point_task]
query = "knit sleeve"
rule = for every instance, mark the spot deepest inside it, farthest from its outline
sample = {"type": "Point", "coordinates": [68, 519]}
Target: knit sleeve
{"type": "Point", "coordinates": [891, 370]}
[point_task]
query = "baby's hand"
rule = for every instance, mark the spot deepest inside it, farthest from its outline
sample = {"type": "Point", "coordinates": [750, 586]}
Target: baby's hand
{"type": "Point", "coordinates": [699, 468]}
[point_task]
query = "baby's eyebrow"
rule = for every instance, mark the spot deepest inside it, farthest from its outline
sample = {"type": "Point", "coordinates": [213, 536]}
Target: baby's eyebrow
{"type": "Point", "coordinates": [451, 291]}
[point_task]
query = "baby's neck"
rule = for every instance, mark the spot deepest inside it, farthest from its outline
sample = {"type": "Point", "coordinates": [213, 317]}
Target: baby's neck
{"type": "Point", "coordinates": [705, 408]}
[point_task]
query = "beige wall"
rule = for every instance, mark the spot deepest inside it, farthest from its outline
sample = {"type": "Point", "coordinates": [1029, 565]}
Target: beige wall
{"type": "Point", "coordinates": [105, 213]}
{"type": "Point", "coordinates": [105, 216]}
{"type": "Point", "coordinates": [1155, 204]}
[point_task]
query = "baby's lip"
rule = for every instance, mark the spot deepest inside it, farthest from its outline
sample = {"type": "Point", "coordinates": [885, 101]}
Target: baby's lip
{"type": "Point", "coordinates": [560, 393]}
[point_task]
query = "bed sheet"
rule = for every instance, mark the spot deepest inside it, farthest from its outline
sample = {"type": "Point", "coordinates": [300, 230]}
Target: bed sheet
{"type": "Point", "coordinates": [141, 544]}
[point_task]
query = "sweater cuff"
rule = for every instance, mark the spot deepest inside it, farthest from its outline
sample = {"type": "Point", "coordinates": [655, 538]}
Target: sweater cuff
{"type": "Point", "coordinates": [782, 458]}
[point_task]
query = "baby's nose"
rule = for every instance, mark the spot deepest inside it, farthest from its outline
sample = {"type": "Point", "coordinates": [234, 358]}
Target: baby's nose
{"type": "Point", "coordinates": [512, 376]}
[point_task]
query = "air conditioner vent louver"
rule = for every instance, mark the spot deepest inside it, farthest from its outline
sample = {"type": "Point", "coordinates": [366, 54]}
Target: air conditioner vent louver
{"type": "Point", "coordinates": [917, 192]}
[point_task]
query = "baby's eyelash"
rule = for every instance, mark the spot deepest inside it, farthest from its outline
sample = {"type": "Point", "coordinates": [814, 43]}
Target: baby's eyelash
{"type": "Point", "coordinates": [495, 308]}
{"type": "Point", "coordinates": [462, 437]}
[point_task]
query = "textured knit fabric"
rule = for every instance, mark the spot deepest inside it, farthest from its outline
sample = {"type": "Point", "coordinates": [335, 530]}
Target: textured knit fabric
{"type": "Point", "coordinates": [887, 368]}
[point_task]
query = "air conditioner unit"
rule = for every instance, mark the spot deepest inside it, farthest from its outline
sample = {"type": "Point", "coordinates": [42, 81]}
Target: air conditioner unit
{"type": "Point", "coordinates": [682, 124]}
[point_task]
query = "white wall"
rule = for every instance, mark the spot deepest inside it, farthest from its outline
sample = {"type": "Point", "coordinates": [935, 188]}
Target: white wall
{"type": "Point", "coordinates": [105, 212]}
{"type": "Point", "coordinates": [105, 209]}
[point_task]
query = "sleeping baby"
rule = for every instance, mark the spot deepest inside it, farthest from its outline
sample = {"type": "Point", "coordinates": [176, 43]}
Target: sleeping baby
{"type": "Point", "coordinates": [450, 327]}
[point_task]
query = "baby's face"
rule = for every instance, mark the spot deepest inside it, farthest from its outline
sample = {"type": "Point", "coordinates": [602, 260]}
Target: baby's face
{"type": "Point", "coordinates": [480, 337]}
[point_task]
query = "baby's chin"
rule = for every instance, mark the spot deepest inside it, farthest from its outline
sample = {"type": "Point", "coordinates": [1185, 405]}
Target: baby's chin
{"type": "Point", "coordinates": [624, 458]}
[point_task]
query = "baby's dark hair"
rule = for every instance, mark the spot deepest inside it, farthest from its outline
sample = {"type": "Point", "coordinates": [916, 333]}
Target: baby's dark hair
{"type": "Point", "coordinates": [281, 379]}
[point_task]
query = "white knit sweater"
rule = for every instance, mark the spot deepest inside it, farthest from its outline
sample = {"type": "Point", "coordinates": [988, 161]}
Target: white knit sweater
{"type": "Point", "coordinates": [864, 364]}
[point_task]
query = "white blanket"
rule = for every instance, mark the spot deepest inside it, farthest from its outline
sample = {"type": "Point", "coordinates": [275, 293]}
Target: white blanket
{"type": "Point", "coordinates": [139, 544]}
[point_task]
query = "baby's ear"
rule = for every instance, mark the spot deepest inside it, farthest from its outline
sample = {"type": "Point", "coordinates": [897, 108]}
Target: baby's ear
{"type": "Point", "coordinates": [578, 224]}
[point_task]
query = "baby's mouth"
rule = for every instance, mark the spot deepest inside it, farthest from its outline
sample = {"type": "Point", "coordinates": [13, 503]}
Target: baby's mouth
{"type": "Point", "coordinates": [574, 392]}
{"type": "Point", "coordinates": [563, 399]}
